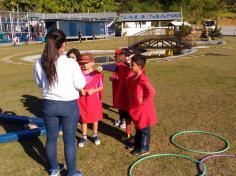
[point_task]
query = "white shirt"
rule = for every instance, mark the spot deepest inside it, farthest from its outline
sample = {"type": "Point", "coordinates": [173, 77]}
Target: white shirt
{"type": "Point", "coordinates": [70, 79]}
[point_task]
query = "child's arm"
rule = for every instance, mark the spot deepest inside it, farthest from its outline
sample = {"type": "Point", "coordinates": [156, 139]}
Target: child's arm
{"type": "Point", "coordinates": [109, 67]}
{"type": "Point", "coordinates": [92, 91]}
{"type": "Point", "coordinates": [82, 92]}
{"type": "Point", "coordinates": [148, 92]}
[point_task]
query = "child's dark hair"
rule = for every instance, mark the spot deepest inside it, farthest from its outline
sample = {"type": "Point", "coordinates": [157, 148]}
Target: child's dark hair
{"type": "Point", "coordinates": [75, 52]}
{"type": "Point", "coordinates": [140, 60]}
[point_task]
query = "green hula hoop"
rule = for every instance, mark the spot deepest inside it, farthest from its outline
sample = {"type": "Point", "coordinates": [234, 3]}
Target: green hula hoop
{"type": "Point", "coordinates": [203, 171]}
{"type": "Point", "coordinates": [226, 147]}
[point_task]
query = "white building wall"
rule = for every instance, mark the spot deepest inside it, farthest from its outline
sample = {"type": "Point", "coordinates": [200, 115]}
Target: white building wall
{"type": "Point", "coordinates": [131, 28]}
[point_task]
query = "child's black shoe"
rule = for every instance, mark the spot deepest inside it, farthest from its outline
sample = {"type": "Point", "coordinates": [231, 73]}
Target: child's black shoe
{"type": "Point", "coordinates": [140, 152]}
{"type": "Point", "coordinates": [130, 146]}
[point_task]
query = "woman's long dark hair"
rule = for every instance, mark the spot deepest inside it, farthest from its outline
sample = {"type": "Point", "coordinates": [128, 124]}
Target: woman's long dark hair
{"type": "Point", "coordinates": [54, 41]}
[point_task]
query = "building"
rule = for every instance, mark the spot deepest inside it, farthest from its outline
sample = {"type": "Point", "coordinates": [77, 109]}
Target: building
{"type": "Point", "coordinates": [98, 24]}
{"type": "Point", "coordinates": [133, 23]}
{"type": "Point", "coordinates": [32, 26]}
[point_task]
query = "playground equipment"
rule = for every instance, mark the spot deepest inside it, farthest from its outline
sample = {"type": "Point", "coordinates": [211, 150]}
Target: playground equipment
{"type": "Point", "coordinates": [197, 162]}
{"type": "Point", "coordinates": [226, 143]}
{"type": "Point", "coordinates": [22, 134]}
{"type": "Point", "coordinates": [21, 24]}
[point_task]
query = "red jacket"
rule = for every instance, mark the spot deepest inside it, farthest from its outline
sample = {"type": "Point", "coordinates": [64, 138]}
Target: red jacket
{"type": "Point", "coordinates": [120, 87]}
{"type": "Point", "coordinates": [90, 106]}
{"type": "Point", "coordinates": [141, 104]}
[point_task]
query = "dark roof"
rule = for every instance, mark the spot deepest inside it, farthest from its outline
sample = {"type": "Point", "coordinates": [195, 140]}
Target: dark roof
{"type": "Point", "coordinates": [74, 16]}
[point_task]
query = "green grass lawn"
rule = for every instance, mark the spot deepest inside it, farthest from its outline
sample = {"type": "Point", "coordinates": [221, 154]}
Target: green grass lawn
{"type": "Point", "coordinates": [194, 92]}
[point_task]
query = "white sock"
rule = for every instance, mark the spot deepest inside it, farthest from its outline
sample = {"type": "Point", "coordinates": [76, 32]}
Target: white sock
{"type": "Point", "coordinates": [84, 137]}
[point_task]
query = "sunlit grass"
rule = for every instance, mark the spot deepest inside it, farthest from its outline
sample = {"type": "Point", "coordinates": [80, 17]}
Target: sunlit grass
{"type": "Point", "coordinates": [196, 92]}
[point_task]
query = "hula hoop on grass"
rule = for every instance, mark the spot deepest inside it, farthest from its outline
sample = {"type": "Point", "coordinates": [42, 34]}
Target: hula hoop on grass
{"type": "Point", "coordinates": [203, 171]}
{"type": "Point", "coordinates": [226, 147]}
{"type": "Point", "coordinates": [212, 156]}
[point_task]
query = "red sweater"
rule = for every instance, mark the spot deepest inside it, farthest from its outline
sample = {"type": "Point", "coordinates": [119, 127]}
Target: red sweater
{"type": "Point", "coordinates": [141, 104]}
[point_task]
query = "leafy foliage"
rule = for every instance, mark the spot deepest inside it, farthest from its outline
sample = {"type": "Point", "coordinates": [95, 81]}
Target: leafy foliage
{"type": "Point", "coordinates": [215, 33]}
{"type": "Point", "coordinates": [192, 9]}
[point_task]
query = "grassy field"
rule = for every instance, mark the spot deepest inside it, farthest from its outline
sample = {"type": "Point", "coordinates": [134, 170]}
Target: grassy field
{"type": "Point", "coordinates": [194, 92]}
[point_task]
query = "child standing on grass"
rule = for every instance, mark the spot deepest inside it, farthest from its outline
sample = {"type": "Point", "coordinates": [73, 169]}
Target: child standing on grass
{"type": "Point", "coordinates": [121, 71]}
{"type": "Point", "coordinates": [90, 102]}
{"type": "Point", "coordinates": [141, 105]}
{"type": "Point", "coordinates": [119, 57]}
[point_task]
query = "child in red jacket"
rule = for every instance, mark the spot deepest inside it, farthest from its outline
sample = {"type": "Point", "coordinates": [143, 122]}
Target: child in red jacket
{"type": "Point", "coordinates": [141, 105]}
{"type": "Point", "coordinates": [90, 101]}
{"type": "Point", "coordinates": [119, 57]}
{"type": "Point", "coordinates": [121, 71]}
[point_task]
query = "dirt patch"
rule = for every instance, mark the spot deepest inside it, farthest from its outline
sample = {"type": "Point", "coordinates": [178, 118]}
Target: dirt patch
{"type": "Point", "coordinates": [227, 22]}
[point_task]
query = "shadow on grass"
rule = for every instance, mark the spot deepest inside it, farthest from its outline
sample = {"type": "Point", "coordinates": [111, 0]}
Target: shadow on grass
{"type": "Point", "coordinates": [105, 129]}
{"type": "Point", "coordinates": [36, 150]}
{"type": "Point", "coordinates": [33, 147]}
{"type": "Point", "coordinates": [111, 131]}
{"type": "Point", "coordinates": [216, 54]}
{"type": "Point", "coordinates": [33, 104]}
{"type": "Point", "coordinates": [109, 108]}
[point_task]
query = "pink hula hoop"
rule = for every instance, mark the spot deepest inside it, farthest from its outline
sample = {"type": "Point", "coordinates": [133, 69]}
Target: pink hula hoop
{"type": "Point", "coordinates": [213, 156]}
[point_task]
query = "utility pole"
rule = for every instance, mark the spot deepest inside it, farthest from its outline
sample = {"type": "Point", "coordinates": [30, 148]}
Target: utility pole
{"type": "Point", "coordinates": [157, 3]}
{"type": "Point", "coordinates": [17, 22]}
{"type": "Point", "coordinates": [1, 24]}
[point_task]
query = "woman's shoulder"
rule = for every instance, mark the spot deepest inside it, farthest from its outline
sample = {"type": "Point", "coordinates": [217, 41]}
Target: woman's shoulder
{"type": "Point", "coordinates": [66, 60]}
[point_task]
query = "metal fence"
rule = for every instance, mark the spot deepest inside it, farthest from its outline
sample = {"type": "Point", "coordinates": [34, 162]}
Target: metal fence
{"type": "Point", "coordinates": [21, 25]}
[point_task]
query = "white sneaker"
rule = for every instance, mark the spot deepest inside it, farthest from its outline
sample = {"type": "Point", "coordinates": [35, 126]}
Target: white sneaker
{"type": "Point", "coordinates": [122, 125]}
{"type": "Point", "coordinates": [56, 172]}
{"type": "Point", "coordinates": [82, 142]}
{"type": "Point", "coordinates": [117, 122]}
{"type": "Point", "coordinates": [96, 140]}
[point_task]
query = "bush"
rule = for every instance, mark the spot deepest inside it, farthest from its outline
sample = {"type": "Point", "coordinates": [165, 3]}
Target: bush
{"type": "Point", "coordinates": [215, 32]}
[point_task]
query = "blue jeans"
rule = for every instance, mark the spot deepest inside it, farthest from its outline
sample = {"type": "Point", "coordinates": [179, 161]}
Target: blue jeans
{"type": "Point", "coordinates": [66, 115]}
{"type": "Point", "coordinates": [142, 139]}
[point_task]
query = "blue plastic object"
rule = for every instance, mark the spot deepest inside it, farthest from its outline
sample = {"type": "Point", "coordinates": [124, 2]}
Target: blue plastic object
{"type": "Point", "coordinates": [21, 119]}
{"type": "Point", "coordinates": [22, 134]}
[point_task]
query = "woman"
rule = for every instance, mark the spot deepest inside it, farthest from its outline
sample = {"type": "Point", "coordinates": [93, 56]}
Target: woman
{"type": "Point", "coordinates": [60, 79]}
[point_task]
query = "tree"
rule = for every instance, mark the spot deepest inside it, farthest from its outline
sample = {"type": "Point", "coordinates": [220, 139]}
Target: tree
{"type": "Point", "coordinates": [21, 5]}
{"type": "Point", "coordinates": [193, 10]}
